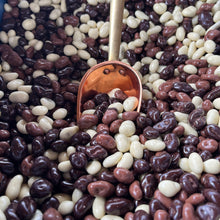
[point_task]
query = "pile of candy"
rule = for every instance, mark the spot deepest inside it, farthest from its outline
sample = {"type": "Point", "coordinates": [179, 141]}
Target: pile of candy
{"type": "Point", "coordinates": [114, 163]}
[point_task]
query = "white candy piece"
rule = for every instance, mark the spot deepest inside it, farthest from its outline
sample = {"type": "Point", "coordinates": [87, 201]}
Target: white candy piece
{"type": "Point", "coordinates": [195, 162]}
{"type": "Point", "coordinates": [98, 207]}
{"type": "Point", "coordinates": [14, 186]}
{"type": "Point", "coordinates": [127, 128]}
{"type": "Point", "coordinates": [169, 188]}
{"type": "Point", "coordinates": [212, 166]}
{"type": "Point", "coordinates": [154, 145]}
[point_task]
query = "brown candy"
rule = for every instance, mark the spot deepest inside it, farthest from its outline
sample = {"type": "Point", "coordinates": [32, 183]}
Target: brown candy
{"type": "Point", "coordinates": [52, 214]}
{"type": "Point", "coordinates": [101, 188]}
{"type": "Point", "coordinates": [123, 175]}
{"type": "Point", "coordinates": [135, 190]}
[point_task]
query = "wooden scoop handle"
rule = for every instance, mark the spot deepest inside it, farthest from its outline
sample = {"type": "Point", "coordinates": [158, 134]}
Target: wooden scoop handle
{"type": "Point", "coordinates": [116, 16]}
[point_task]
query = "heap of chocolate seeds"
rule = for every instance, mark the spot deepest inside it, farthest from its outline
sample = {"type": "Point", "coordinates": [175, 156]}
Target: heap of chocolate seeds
{"type": "Point", "coordinates": [115, 163]}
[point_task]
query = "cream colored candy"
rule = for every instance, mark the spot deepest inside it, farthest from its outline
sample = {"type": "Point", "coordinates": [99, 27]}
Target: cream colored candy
{"type": "Point", "coordinates": [171, 40]}
{"type": "Point", "coordinates": [2, 215]}
{"type": "Point", "coordinates": [45, 2]}
{"type": "Point", "coordinates": [212, 117]}
{"type": "Point", "coordinates": [25, 191]}
{"type": "Point", "coordinates": [84, 18]}
{"type": "Point", "coordinates": [76, 195]}
{"type": "Point", "coordinates": [98, 207]}
{"type": "Point", "coordinates": [93, 167]}
{"type": "Point", "coordinates": [4, 203]}
{"type": "Point", "coordinates": [154, 30]}
{"type": "Point", "coordinates": [83, 54]}
{"type": "Point", "coordinates": [3, 37]}
{"type": "Point", "coordinates": [177, 16]}
{"type": "Point", "coordinates": [165, 17]}
{"type": "Point", "coordinates": [130, 103]}
{"type": "Point", "coordinates": [180, 33]}
{"type": "Point", "coordinates": [63, 157]}
{"type": "Point", "coordinates": [189, 68]}
{"type": "Point", "coordinates": [62, 197]}
{"type": "Point", "coordinates": [126, 161]}
{"type": "Point", "coordinates": [183, 50]}
{"type": "Point", "coordinates": [134, 137]}
{"type": "Point", "coordinates": [209, 46]}
{"type": "Point", "coordinates": [143, 207]}
{"type": "Point", "coordinates": [1, 94]}
{"type": "Point", "coordinates": [190, 11]}
{"type": "Point", "coordinates": [216, 103]}
{"type": "Point", "coordinates": [193, 36]}
{"type": "Point", "coordinates": [68, 132]}
{"type": "Point", "coordinates": [212, 166]}
{"type": "Point", "coordinates": [52, 57]}
{"type": "Point", "coordinates": [49, 103]}
{"type": "Point", "coordinates": [69, 30]}
{"type": "Point", "coordinates": [29, 24]}
{"type": "Point", "coordinates": [181, 117]}
{"type": "Point", "coordinates": [188, 129]}
{"type": "Point", "coordinates": [66, 207]}
{"type": "Point", "coordinates": [69, 50]}
{"type": "Point", "coordinates": [127, 128]}
{"type": "Point", "coordinates": [132, 22]}
{"type": "Point", "coordinates": [195, 162]}
{"type": "Point", "coordinates": [56, 13]}
{"type": "Point", "coordinates": [156, 84]}
{"type": "Point", "coordinates": [25, 88]}
{"type": "Point", "coordinates": [122, 142]}
{"type": "Point", "coordinates": [197, 101]}
{"type": "Point", "coordinates": [45, 124]}
{"type": "Point", "coordinates": [198, 53]}
{"type": "Point", "coordinates": [39, 110]}
{"type": "Point", "coordinates": [52, 155]}
{"type": "Point", "coordinates": [50, 120]}
{"type": "Point", "coordinates": [160, 8]}
{"type": "Point", "coordinates": [88, 111]}
{"type": "Point", "coordinates": [184, 164]}
{"type": "Point", "coordinates": [60, 113]}
{"type": "Point", "coordinates": [217, 71]}
{"type": "Point", "coordinates": [14, 84]}
{"type": "Point", "coordinates": [13, 187]}
{"type": "Point", "coordinates": [141, 15]}
{"type": "Point", "coordinates": [21, 126]}
{"type": "Point", "coordinates": [169, 188]}
{"type": "Point", "coordinates": [200, 43]}
{"type": "Point", "coordinates": [154, 66]}
{"type": "Point", "coordinates": [112, 160]}
{"type": "Point", "coordinates": [93, 33]}
{"type": "Point", "coordinates": [136, 149]}
{"type": "Point", "coordinates": [154, 145]}
{"type": "Point", "coordinates": [214, 60]}
{"type": "Point", "coordinates": [65, 166]}
{"type": "Point", "coordinates": [104, 30]}
{"type": "Point", "coordinates": [70, 150]}
{"type": "Point", "coordinates": [19, 97]}
{"type": "Point", "coordinates": [91, 62]}
{"type": "Point", "coordinates": [192, 49]}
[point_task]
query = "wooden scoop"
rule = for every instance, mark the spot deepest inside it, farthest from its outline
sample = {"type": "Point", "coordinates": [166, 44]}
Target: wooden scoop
{"type": "Point", "coordinates": [105, 76]}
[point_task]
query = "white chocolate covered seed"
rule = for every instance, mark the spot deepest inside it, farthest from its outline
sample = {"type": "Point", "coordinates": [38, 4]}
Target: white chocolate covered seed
{"type": "Point", "coordinates": [154, 145]}
{"type": "Point", "coordinates": [169, 188]}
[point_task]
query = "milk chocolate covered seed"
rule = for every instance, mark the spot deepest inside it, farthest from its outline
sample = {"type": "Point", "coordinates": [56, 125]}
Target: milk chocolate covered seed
{"type": "Point", "coordinates": [101, 188]}
{"type": "Point", "coordinates": [123, 175]}
{"type": "Point", "coordinates": [52, 213]}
